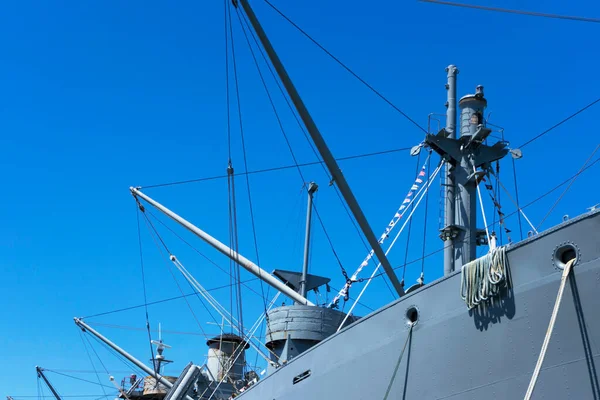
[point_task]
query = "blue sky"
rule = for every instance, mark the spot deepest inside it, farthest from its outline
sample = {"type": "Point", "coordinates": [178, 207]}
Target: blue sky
{"type": "Point", "coordinates": [97, 96]}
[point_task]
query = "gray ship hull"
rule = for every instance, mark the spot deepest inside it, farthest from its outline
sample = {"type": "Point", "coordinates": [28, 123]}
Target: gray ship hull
{"type": "Point", "coordinates": [454, 353]}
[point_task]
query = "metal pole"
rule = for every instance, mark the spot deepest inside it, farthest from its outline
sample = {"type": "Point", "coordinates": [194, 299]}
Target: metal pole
{"type": "Point", "coordinates": [238, 258]}
{"type": "Point", "coordinates": [41, 374]}
{"type": "Point", "coordinates": [321, 146]}
{"type": "Point", "coordinates": [125, 354]}
{"type": "Point", "coordinates": [471, 120]}
{"type": "Point", "coordinates": [312, 188]}
{"type": "Point", "coordinates": [450, 190]}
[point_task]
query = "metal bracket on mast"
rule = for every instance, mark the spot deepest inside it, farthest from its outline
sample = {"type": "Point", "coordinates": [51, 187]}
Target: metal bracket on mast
{"type": "Point", "coordinates": [236, 257]}
{"type": "Point", "coordinates": [321, 146]}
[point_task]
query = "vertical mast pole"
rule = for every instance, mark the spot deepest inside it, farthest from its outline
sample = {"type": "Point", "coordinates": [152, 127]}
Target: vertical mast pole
{"type": "Point", "coordinates": [450, 187]}
{"type": "Point", "coordinates": [312, 188]}
{"type": "Point", "coordinates": [321, 146]}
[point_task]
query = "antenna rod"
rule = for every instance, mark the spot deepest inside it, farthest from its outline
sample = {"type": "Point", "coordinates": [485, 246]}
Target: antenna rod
{"type": "Point", "coordinates": [40, 374]}
{"type": "Point", "coordinates": [312, 188]}
{"type": "Point", "coordinates": [236, 257]}
{"type": "Point", "coordinates": [450, 186]}
{"type": "Point", "coordinates": [321, 146]}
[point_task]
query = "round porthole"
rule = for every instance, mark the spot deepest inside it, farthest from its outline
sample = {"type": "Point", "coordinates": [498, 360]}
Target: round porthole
{"type": "Point", "coordinates": [412, 315]}
{"type": "Point", "coordinates": [564, 253]}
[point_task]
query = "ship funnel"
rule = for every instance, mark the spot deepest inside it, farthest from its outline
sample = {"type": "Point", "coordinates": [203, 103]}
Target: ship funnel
{"type": "Point", "coordinates": [226, 358]}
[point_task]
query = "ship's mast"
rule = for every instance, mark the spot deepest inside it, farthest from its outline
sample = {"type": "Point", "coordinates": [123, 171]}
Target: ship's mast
{"type": "Point", "coordinates": [40, 374]}
{"type": "Point", "coordinates": [321, 146]}
{"type": "Point", "coordinates": [465, 155]}
{"type": "Point", "coordinates": [450, 189]}
{"type": "Point", "coordinates": [312, 188]}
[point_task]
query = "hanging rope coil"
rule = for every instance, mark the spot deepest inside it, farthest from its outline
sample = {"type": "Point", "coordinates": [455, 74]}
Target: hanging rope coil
{"type": "Point", "coordinates": [483, 278]}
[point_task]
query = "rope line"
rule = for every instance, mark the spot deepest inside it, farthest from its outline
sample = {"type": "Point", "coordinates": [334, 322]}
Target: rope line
{"type": "Point", "coordinates": [272, 169]}
{"type": "Point", "coordinates": [540, 361]}
{"type": "Point", "coordinates": [511, 11]}
{"type": "Point", "coordinates": [408, 338]}
{"type": "Point", "coordinates": [412, 206]}
{"type": "Point", "coordinates": [157, 236]}
{"type": "Point", "coordinates": [139, 234]}
{"type": "Point", "coordinates": [286, 139]}
{"type": "Point", "coordinates": [79, 379]}
{"type": "Point", "coordinates": [337, 60]}
{"type": "Point", "coordinates": [91, 361]}
{"type": "Point", "coordinates": [201, 254]}
{"type": "Point", "coordinates": [507, 215]}
{"type": "Point", "coordinates": [533, 139]}
{"type": "Point", "coordinates": [568, 187]}
{"type": "Point", "coordinates": [306, 136]}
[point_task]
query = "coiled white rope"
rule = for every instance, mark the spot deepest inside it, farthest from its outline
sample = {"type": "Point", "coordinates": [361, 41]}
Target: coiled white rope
{"type": "Point", "coordinates": [540, 361]}
{"type": "Point", "coordinates": [483, 278]}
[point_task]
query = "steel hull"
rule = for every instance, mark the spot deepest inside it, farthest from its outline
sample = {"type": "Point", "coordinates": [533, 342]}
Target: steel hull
{"type": "Point", "coordinates": [454, 353]}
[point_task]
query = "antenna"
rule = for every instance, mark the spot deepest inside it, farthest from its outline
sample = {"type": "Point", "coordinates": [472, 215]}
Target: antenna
{"type": "Point", "coordinates": [160, 347]}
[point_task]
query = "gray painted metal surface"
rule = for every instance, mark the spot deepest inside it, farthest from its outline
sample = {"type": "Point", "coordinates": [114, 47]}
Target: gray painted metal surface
{"type": "Point", "coordinates": [450, 189]}
{"type": "Point", "coordinates": [486, 353]}
{"type": "Point", "coordinates": [312, 188]}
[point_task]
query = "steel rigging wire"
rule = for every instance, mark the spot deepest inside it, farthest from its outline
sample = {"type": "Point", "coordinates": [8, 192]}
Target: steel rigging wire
{"type": "Point", "coordinates": [347, 68]}
{"type": "Point", "coordinates": [512, 11]}
{"type": "Point", "coordinates": [245, 23]}
{"type": "Point", "coordinates": [288, 142]}
{"type": "Point", "coordinates": [139, 234]}
{"type": "Point", "coordinates": [376, 276]}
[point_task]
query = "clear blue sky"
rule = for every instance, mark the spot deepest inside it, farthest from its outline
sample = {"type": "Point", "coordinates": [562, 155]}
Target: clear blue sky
{"type": "Point", "coordinates": [97, 96]}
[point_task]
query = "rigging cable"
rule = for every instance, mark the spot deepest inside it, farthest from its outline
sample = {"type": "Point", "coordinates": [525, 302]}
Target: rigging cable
{"type": "Point", "coordinates": [135, 328]}
{"type": "Point", "coordinates": [152, 228]}
{"type": "Point", "coordinates": [304, 132]}
{"type": "Point", "coordinates": [273, 169]}
{"type": "Point", "coordinates": [346, 67]}
{"type": "Point", "coordinates": [507, 215]}
{"type": "Point", "coordinates": [203, 256]}
{"type": "Point", "coordinates": [187, 276]}
{"type": "Point", "coordinates": [422, 277]}
{"type": "Point", "coordinates": [79, 379]}
{"type": "Point", "coordinates": [510, 11]}
{"type": "Point", "coordinates": [408, 340]}
{"type": "Point", "coordinates": [229, 168]}
{"type": "Point", "coordinates": [559, 123]}
{"type": "Point", "coordinates": [412, 207]}
{"type": "Point", "coordinates": [162, 301]}
{"type": "Point", "coordinates": [118, 356]}
{"type": "Point", "coordinates": [91, 361]}
{"type": "Point", "coordinates": [139, 234]}
{"type": "Point", "coordinates": [517, 195]}
{"type": "Point", "coordinates": [568, 187]}
{"type": "Point", "coordinates": [245, 159]}
{"type": "Point", "coordinates": [287, 141]}
{"type": "Point", "coordinates": [420, 196]}
{"type": "Point", "coordinates": [497, 188]}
